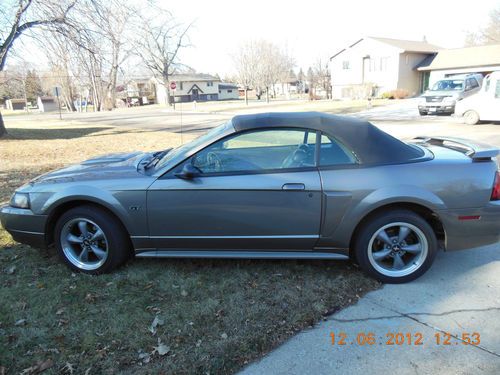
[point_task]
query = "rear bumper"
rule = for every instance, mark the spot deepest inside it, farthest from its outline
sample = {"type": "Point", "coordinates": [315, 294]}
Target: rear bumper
{"type": "Point", "coordinates": [464, 230]}
{"type": "Point", "coordinates": [24, 226]}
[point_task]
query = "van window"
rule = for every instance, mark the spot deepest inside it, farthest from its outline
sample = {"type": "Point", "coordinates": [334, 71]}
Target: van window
{"type": "Point", "coordinates": [471, 83]}
{"type": "Point", "coordinates": [497, 89]}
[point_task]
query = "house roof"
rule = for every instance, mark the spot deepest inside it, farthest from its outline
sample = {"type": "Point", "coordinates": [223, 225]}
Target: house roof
{"type": "Point", "coordinates": [405, 45]}
{"type": "Point", "coordinates": [465, 58]}
{"type": "Point", "coordinates": [370, 144]}
{"type": "Point", "coordinates": [226, 86]}
{"type": "Point", "coordinates": [194, 77]}
{"type": "Point", "coordinates": [409, 45]}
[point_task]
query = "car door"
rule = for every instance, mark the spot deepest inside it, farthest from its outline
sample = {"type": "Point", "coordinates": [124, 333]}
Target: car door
{"type": "Point", "coordinates": [490, 103]}
{"type": "Point", "coordinates": [253, 190]}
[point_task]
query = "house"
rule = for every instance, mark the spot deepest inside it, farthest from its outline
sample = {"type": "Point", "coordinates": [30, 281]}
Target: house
{"type": "Point", "coordinates": [189, 87]}
{"type": "Point", "coordinates": [481, 59]}
{"type": "Point", "coordinates": [228, 91]}
{"type": "Point", "coordinates": [195, 87]}
{"type": "Point", "coordinates": [372, 66]}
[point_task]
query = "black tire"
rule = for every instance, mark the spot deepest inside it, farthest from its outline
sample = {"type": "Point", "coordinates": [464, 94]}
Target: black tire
{"type": "Point", "coordinates": [118, 246]}
{"type": "Point", "coordinates": [420, 235]}
{"type": "Point", "coordinates": [422, 113]}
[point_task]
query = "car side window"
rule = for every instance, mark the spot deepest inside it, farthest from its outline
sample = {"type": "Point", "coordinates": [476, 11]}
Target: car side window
{"type": "Point", "coordinates": [259, 151]}
{"type": "Point", "coordinates": [333, 152]}
{"type": "Point", "coordinates": [473, 83]}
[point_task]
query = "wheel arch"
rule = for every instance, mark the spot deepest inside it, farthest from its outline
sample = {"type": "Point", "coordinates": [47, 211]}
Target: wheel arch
{"type": "Point", "coordinates": [57, 210]}
{"type": "Point", "coordinates": [429, 215]}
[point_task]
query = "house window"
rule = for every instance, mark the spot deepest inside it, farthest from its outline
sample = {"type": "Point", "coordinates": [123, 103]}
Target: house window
{"type": "Point", "coordinates": [229, 91]}
{"type": "Point", "coordinates": [345, 65]}
{"type": "Point", "coordinates": [407, 59]}
{"type": "Point", "coordinates": [220, 92]}
{"type": "Point", "coordinates": [180, 86]}
{"type": "Point", "coordinates": [210, 83]}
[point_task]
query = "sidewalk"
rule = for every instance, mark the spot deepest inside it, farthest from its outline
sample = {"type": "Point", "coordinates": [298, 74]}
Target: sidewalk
{"type": "Point", "coordinates": [460, 294]}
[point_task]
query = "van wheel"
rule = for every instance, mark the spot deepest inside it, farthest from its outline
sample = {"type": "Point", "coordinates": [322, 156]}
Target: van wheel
{"type": "Point", "coordinates": [471, 117]}
{"type": "Point", "coordinates": [90, 240]}
{"type": "Point", "coordinates": [396, 246]}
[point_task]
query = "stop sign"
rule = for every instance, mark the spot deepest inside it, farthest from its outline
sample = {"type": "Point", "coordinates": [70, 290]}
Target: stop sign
{"type": "Point", "coordinates": [173, 85]}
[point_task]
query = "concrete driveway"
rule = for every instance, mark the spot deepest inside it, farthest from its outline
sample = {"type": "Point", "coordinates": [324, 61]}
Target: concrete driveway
{"type": "Point", "coordinates": [459, 295]}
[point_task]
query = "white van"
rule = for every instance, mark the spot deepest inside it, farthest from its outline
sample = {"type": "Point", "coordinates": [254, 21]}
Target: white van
{"type": "Point", "coordinates": [484, 105]}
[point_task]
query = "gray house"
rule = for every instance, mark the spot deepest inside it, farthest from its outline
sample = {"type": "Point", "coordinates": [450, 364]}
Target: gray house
{"type": "Point", "coordinates": [372, 66]}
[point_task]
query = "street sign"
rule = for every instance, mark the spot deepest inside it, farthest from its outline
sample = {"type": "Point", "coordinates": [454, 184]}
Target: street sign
{"type": "Point", "coordinates": [173, 85]}
{"type": "Point", "coordinates": [57, 91]}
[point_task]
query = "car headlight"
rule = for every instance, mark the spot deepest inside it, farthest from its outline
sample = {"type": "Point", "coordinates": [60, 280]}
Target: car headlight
{"type": "Point", "coordinates": [20, 200]}
{"type": "Point", "coordinates": [421, 101]}
{"type": "Point", "coordinates": [449, 99]}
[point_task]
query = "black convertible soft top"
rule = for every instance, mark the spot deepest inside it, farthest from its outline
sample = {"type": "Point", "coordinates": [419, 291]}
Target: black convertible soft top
{"type": "Point", "coordinates": [369, 143]}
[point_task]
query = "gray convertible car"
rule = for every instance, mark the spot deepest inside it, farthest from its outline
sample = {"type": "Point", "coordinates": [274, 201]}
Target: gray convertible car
{"type": "Point", "coordinates": [279, 185]}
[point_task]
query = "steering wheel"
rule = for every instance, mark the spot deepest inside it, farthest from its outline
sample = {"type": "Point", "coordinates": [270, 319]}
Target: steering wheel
{"type": "Point", "coordinates": [214, 161]}
{"type": "Point", "coordinates": [297, 157]}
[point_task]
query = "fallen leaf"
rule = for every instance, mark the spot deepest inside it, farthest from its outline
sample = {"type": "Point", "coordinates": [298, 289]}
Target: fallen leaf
{"type": "Point", "coordinates": [39, 367]}
{"type": "Point", "coordinates": [198, 343]}
{"type": "Point", "coordinates": [156, 322]}
{"type": "Point", "coordinates": [60, 311]}
{"type": "Point", "coordinates": [161, 349]}
{"type": "Point", "coordinates": [11, 270]}
{"type": "Point", "coordinates": [144, 357]}
{"type": "Point", "coordinates": [184, 293]}
{"type": "Point", "coordinates": [20, 322]}
{"type": "Point", "coordinates": [224, 336]}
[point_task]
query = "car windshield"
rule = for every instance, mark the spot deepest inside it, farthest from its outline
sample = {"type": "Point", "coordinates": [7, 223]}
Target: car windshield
{"type": "Point", "coordinates": [448, 85]}
{"type": "Point", "coordinates": [193, 144]}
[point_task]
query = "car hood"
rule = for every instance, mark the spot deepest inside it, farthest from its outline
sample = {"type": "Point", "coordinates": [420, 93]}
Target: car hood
{"type": "Point", "coordinates": [455, 94]}
{"type": "Point", "coordinates": [112, 166]}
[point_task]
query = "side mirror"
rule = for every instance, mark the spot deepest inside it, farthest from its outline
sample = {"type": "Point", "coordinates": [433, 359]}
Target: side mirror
{"type": "Point", "coordinates": [189, 171]}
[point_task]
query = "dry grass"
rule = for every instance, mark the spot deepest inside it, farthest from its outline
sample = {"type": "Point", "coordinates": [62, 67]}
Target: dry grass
{"type": "Point", "coordinates": [217, 314]}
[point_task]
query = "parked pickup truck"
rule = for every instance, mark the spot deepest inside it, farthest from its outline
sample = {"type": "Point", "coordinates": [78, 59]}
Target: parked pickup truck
{"type": "Point", "coordinates": [445, 93]}
{"type": "Point", "coordinates": [485, 105]}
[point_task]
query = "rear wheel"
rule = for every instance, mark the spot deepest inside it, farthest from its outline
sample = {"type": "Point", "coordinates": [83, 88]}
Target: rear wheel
{"type": "Point", "coordinates": [91, 240]}
{"type": "Point", "coordinates": [396, 247]}
{"type": "Point", "coordinates": [471, 117]}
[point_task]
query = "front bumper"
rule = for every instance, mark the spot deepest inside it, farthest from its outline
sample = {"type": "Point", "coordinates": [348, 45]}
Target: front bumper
{"type": "Point", "coordinates": [464, 231]}
{"type": "Point", "coordinates": [437, 108]}
{"type": "Point", "coordinates": [24, 226]}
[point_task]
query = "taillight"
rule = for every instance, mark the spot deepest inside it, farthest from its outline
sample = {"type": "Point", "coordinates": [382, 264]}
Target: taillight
{"type": "Point", "coordinates": [495, 194]}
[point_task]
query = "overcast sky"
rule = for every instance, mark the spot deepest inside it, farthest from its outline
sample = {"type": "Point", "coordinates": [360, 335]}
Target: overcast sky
{"type": "Point", "coordinates": [312, 29]}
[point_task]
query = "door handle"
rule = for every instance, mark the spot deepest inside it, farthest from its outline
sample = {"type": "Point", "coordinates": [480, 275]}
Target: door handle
{"type": "Point", "coordinates": [293, 187]}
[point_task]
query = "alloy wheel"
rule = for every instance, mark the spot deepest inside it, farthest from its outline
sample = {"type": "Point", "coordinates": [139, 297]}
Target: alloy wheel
{"type": "Point", "coordinates": [398, 249]}
{"type": "Point", "coordinates": [84, 244]}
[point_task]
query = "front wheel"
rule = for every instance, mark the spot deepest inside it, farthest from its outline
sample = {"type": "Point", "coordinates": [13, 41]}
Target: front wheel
{"type": "Point", "coordinates": [91, 240]}
{"type": "Point", "coordinates": [396, 247]}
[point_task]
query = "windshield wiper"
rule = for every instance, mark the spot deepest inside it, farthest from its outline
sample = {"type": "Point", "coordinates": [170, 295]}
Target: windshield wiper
{"type": "Point", "coordinates": [156, 158]}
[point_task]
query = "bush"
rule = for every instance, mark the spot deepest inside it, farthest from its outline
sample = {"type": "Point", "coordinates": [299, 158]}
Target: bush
{"type": "Point", "coordinates": [395, 94]}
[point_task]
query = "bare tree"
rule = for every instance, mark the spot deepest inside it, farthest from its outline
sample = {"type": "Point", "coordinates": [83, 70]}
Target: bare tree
{"type": "Point", "coordinates": [159, 41]}
{"type": "Point", "coordinates": [261, 64]}
{"type": "Point", "coordinates": [24, 15]}
{"type": "Point", "coordinates": [487, 35]}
